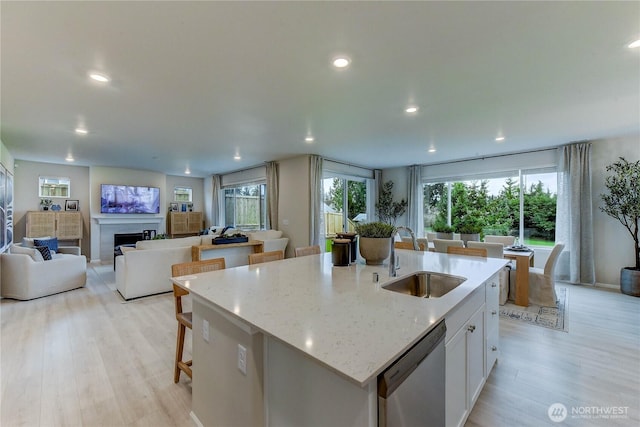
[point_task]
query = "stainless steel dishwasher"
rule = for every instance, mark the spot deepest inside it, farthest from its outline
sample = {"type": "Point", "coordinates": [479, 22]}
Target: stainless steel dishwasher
{"type": "Point", "coordinates": [411, 391]}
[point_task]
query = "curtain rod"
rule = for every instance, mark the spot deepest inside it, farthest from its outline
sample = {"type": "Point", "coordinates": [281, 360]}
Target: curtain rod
{"type": "Point", "coordinates": [492, 157]}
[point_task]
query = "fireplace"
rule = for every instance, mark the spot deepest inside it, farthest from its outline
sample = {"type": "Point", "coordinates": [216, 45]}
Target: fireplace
{"type": "Point", "coordinates": [122, 239]}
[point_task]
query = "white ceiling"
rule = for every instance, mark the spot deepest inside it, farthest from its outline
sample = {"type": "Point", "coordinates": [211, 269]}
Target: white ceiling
{"type": "Point", "coordinates": [196, 82]}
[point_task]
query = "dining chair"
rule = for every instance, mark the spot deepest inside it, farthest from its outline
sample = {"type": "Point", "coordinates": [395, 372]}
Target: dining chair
{"type": "Point", "coordinates": [307, 250]}
{"type": "Point", "coordinates": [457, 250]}
{"type": "Point", "coordinates": [505, 240]}
{"type": "Point", "coordinates": [408, 245]}
{"type": "Point", "coordinates": [441, 245]}
{"type": "Point", "coordinates": [542, 289]}
{"type": "Point", "coordinates": [261, 257]}
{"type": "Point", "coordinates": [496, 250]}
{"type": "Point", "coordinates": [185, 319]}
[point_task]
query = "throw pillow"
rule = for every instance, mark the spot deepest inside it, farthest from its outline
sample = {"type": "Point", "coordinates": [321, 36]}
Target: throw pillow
{"type": "Point", "coordinates": [45, 252]}
{"type": "Point", "coordinates": [51, 243]}
{"type": "Point", "coordinates": [33, 253]}
{"type": "Point", "coordinates": [28, 241]}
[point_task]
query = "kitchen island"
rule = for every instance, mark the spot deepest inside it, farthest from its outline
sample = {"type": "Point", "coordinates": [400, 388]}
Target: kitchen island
{"type": "Point", "coordinates": [301, 342]}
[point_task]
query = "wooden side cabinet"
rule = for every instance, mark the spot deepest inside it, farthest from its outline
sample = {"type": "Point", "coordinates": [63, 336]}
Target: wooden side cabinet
{"type": "Point", "coordinates": [180, 223]}
{"type": "Point", "coordinates": [63, 225]}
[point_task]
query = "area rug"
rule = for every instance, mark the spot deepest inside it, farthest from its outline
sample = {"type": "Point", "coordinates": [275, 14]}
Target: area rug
{"type": "Point", "coordinates": [548, 317]}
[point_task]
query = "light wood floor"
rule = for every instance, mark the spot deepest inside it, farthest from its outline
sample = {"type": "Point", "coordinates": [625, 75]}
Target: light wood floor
{"type": "Point", "coordinates": [87, 358]}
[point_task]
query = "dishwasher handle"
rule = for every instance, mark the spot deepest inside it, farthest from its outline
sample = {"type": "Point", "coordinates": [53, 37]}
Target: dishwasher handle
{"type": "Point", "coordinates": [395, 374]}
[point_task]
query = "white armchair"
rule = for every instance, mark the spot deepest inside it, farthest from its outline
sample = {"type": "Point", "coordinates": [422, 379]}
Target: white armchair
{"type": "Point", "coordinates": [24, 278]}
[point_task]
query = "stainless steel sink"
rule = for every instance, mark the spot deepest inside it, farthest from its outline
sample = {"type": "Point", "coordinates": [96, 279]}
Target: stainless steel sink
{"type": "Point", "coordinates": [425, 284]}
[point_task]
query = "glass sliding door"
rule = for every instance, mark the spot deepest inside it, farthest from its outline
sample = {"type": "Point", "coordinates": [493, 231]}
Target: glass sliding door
{"type": "Point", "coordinates": [345, 204]}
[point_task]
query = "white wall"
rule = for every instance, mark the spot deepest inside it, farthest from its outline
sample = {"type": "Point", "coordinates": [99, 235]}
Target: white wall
{"type": "Point", "coordinates": [294, 202]}
{"type": "Point", "coordinates": [25, 190]}
{"type": "Point", "coordinates": [613, 243]}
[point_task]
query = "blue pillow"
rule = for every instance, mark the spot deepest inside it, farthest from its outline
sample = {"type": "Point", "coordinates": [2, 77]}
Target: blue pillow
{"type": "Point", "coordinates": [46, 253]}
{"type": "Point", "coordinates": [51, 243]}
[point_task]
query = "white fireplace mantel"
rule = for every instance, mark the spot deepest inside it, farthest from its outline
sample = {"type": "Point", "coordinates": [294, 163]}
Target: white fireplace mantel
{"type": "Point", "coordinates": [108, 220]}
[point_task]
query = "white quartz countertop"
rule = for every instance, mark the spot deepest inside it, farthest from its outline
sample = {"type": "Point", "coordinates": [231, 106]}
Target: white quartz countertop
{"type": "Point", "coordinates": [338, 316]}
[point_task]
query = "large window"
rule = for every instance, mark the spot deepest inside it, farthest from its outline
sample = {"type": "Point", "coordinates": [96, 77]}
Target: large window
{"type": "Point", "coordinates": [245, 207]}
{"type": "Point", "coordinates": [522, 205]}
{"type": "Point", "coordinates": [345, 204]}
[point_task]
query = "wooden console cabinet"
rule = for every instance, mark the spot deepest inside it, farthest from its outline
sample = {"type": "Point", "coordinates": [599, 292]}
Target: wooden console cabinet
{"type": "Point", "coordinates": [63, 225]}
{"type": "Point", "coordinates": [180, 223]}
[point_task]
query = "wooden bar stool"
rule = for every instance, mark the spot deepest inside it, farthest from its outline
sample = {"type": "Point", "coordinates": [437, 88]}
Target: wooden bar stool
{"type": "Point", "coordinates": [185, 319]}
{"type": "Point", "coordinates": [307, 250]}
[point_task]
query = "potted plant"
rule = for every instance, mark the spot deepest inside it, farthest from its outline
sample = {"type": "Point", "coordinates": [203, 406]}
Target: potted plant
{"type": "Point", "coordinates": [388, 211]}
{"type": "Point", "coordinates": [623, 203]}
{"type": "Point", "coordinates": [442, 230]}
{"type": "Point", "coordinates": [469, 229]}
{"type": "Point", "coordinates": [375, 241]}
{"type": "Point", "coordinates": [46, 203]}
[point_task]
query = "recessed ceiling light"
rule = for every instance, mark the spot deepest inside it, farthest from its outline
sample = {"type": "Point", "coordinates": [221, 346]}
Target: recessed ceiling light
{"type": "Point", "coordinates": [634, 44]}
{"type": "Point", "coordinates": [309, 139]}
{"type": "Point", "coordinates": [237, 157]}
{"type": "Point", "coordinates": [81, 131]}
{"type": "Point", "coordinates": [412, 109]}
{"type": "Point", "coordinates": [431, 150]}
{"type": "Point", "coordinates": [341, 62]}
{"type": "Point", "coordinates": [500, 138]}
{"type": "Point", "coordinates": [70, 158]}
{"type": "Point", "coordinates": [99, 77]}
{"type": "Point", "coordinates": [187, 171]}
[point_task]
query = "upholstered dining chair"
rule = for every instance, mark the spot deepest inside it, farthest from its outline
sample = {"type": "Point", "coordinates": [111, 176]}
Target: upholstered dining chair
{"type": "Point", "coordinates": [261, 257]}
{"type": "Point", "coordinates": [496, 250]}
{"type": "Point", "coordinates": [409, 245]}
{"type": "Point", "coordinates": [505, 240]}
{"type": "Point", "coordinates": [185, 319]}
{"type": "Point", "coordinates": [542, 284]}
{"type": "Point", "coordinates": [441, 245]}
{"type": "Point", "coordinates": [457, 250]}
{"type": "Point", "coordinates": [307, 250]}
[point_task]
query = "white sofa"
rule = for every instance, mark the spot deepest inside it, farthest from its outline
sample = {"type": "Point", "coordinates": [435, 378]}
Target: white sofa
{"type": "Point", "coordinates": [24, 278]}
{"type": "Point", "coordinates": [146, 269]}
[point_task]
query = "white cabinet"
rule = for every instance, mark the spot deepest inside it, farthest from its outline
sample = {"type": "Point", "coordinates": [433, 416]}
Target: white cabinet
{"type": "Point", "coordinates": [465, 367]}
{"type": "Point", "coordinates": [471, 349]}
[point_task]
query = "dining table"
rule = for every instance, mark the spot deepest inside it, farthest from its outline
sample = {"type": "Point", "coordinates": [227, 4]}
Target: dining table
{"type": "Point", "coordinates": [524, 260]}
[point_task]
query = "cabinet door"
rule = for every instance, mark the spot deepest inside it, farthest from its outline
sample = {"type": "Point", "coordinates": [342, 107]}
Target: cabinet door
{"type": "Point", "coordinates": [40, 224]}
{"type": "Point", "coordinates": [492, 317]}
{"type": "Point", "coordinates": [69, 225]}
{"type": "Point", "coordinates": [178, 223]}
{"type": "Point", "coordinates": [475, 355]}
{"type": "Point", "coordinates": [456, 379]}
{"type": "Point", "coordinates": [194, 220]}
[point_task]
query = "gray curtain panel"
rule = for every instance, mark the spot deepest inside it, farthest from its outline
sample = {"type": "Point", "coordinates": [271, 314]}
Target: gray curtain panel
{"type": "Point", "coordinates": [574, 214]}
{"type": "Point", "coordinates": [272, 195]}
{"type": "Point", "coordinates": [415, 201]}
{"type": "Point", "coordinates": [215, 201]}
{"type": "Point", "coordinates": [315, 200]}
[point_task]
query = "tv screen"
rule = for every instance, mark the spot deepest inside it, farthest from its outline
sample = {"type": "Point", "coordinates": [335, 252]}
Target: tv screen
{"type": "Point", "coordinates": [129, 199]}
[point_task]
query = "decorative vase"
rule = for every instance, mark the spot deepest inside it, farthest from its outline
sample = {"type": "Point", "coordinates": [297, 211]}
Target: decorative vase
{"type": "Point", "coordinates": [375, 249]}
{"type": "Point", "coordinates": [630, 281]}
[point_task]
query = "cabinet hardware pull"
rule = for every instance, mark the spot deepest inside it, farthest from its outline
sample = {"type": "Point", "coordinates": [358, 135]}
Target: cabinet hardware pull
{"type": "Point", "coordinates": [494, 312]}
{"type": "Point", "coordinates": [471, 328]}
{"type": "Point", "coordinates": [493, 285]}
{"type": "Point", "coordinates": [494, 348]}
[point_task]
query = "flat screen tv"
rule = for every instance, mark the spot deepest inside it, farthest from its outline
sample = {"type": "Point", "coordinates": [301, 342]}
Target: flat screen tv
{"type": "Point", "coordinates": [129, 199]}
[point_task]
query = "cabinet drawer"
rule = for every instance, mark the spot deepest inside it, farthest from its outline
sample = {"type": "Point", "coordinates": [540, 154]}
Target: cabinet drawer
{"type": "Point", "coordinates": [493, 351]}
{"type": "Point", "coordinates": [493, 319]}
{"type": "Point", "coordinates": [460, 314]}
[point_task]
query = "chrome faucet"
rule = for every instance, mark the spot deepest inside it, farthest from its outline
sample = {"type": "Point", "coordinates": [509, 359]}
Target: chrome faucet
{"type": "Point", "coordinates": [393, 265]}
